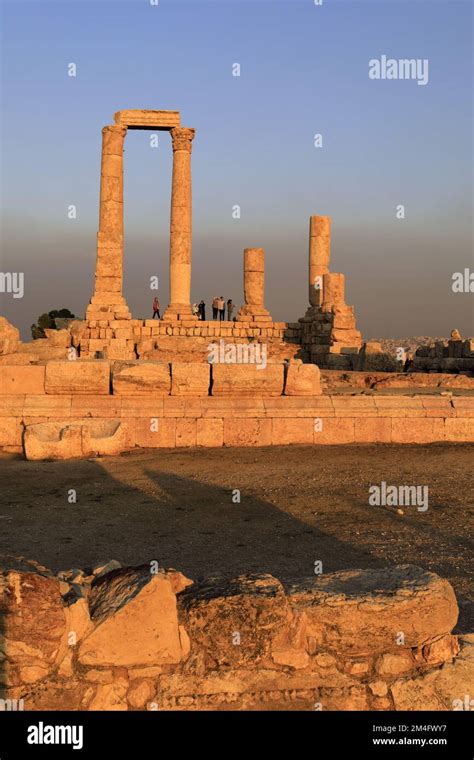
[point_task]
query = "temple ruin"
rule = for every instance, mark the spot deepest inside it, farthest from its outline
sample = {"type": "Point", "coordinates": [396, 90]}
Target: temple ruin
{"type": "Point", "coordinates": [92, 388]}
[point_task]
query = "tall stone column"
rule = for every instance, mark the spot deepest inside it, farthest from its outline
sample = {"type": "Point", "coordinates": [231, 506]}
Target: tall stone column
{"type": "Point", "coordinates": [254, 287]}
{"type": "Point", "coordinates": [181, 226]}
{"type": "Point", "coordinates": [319, 256]}
{"type": "Point", "coordinates": [109, 263]}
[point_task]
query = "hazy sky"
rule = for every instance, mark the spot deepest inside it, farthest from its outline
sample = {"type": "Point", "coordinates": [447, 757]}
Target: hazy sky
{"type": "Point", "coordinates": [304, 70]}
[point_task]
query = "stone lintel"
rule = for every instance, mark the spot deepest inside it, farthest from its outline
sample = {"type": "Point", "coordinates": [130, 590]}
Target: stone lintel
{"type": "Point", "coordinates": [146, 119]}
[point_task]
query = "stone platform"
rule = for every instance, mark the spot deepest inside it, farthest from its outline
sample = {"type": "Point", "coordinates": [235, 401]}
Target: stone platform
{"type": "Point", "coordinates": [198, 404]}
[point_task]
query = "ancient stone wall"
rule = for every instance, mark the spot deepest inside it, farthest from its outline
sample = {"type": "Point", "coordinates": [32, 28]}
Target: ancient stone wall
{"type": "Point", "coordinates": [64, 409]}
{"type": "Point", "coordinates": [121, 339]}
{"type": "Point", "coordinates": [455, 355]}
{"type": "Point", "coordinates": [142, 638]}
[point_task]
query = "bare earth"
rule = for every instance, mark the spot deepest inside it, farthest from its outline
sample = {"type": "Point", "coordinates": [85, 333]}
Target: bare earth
{"type": "Point", "coordinates": [298, 505]}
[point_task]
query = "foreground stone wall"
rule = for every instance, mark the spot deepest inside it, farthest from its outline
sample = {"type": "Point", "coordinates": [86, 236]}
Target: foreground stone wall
{"type": "Point", "coordinates": [113, 638]}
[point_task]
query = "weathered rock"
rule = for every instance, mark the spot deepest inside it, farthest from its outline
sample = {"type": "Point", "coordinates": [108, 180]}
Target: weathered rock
{"type": "Point", "coordinates": [102, 568]}
{"type": "Point", "coordinates": [368, 611]}
{"type": "Point", "coordinates": [110, 696]}
{"type": "Point", "coordinates": [58, 338]}
{"type": "Point", "coordinates": [75, 439]}
{"type": "Point", "coordinates": [233, 644]}
{"type": "Point", "coordinates": [9, 337]}
{"type": "Point", "coordinates": [32, 619]}
{"type": "Point", "coordinates": [303, 380]}
{"type": "Point", "coordinates": [235, 622]}
{"type": "Point", "coordinates": [140, 692]}
{"type": "Point", "coordinates": [135, 617]}
{"type": "Point", "coordinates": [446, 688]}
{"type": "Point", "coordinates": [77, 329]}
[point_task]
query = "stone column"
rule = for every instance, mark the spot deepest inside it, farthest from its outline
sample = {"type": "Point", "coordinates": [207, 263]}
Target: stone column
{"type": "Point", "coordinates": [254, 287]}
{"type": "Point", "coordinates": [109, 263]}
{"type": "Point", "coordinates": [319, 255]}
{"type": "Point", "coordinates": [181, 226]}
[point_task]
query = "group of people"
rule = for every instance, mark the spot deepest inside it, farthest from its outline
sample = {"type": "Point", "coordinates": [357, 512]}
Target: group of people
{"type": "Point", "coordinates": [199, 309]}
{"type": "Point", "coordinates": [218, 309]}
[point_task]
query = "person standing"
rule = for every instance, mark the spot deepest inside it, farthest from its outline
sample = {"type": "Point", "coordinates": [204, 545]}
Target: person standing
{"type": "Point", "coordinates": [221, 307]}
{"type": "Point", "coordinates": [196, 310]}
{"type": "Point", "coordinates": [214, 307]}
{"type": "Point", "coordinates": [230, 309]}
{"type": "Point", "coordinates": [202, 310]}
{"type": "Point", "coordinates": [156, 308]}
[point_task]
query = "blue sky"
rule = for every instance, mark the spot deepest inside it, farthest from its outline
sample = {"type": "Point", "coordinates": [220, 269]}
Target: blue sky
{"type": "Point", "coordinates": [304, 70]}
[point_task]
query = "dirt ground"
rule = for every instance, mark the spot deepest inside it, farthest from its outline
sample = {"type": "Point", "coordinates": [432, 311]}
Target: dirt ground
{"type": "Point", "coordinates": [298, 505]}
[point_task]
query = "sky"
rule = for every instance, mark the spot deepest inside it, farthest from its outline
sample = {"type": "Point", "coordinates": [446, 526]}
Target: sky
{"type": "Point", "coordinates": [304, 70]}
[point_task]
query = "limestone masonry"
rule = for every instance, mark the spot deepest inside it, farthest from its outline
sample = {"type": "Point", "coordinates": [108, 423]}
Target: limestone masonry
{"type": "Point", "coordinates": [108, 383]}
{"type": "Point", "coordinates": [139, 638]}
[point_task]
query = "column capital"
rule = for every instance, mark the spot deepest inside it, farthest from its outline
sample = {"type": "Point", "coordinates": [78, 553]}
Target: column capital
{"type": "Point", "coordinates": [117, 129]}
{"type": "Point", "coordinates": [182, 138]}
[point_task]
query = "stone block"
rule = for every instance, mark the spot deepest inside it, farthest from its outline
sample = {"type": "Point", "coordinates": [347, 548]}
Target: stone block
{"type": "Point", "coordinates": [10, 431]}
{"type": "Point", "coordinates": [186, 432]}
{"type": "Point", "coordinates": [141, 378]}
{"type": "Point", "coordinates": [333, 431]}
{"type": "Point", "coordinates": [33, 619]}
{"type": "Point", "coordinates": [190, 379]}
{"type": "Point", "coordinates": [96, 406]}
{"type": "Point", "coordinates": [22, 379]}
{"type": "Point", "coordinates": [372, 430]}
{"type": "Point", "coordinates": [399, 406]}
{"type": "Point", "coordinates": [354, 406]}
{"type": "Point", "coordinates": [142, 406]}
{"type": "Point", "coordinates": [75, 439]}
{"type": "Point", "coordinates": [79, 376]}
{"type": "Point", "coordinates": [361, 612]}
{"type": "Point", "coordinates": [155, 433]}
{"type": "Point", "coordinates": [9, 337]}
{"type": "Point", "coordinates": [253, 606]}
{"type": "Point", "coordinates": [247, 380]}
{"type": "Point", "coordinates": [303, 380]}
{"type": "Point", "coordinates": [286, 431]}
{"type": "Point", "coordinates": [247, 432]}
{"type": "Point", "coordinates": [140, 630]}
{"type": "Point", "coordinates": [48, 406]}
{"type": "Point", "coordinates": [459, 429]}
{"type": "Point", "coordinates": [414, 430]}
{"type": "Point", "coordinates": [210, 432]}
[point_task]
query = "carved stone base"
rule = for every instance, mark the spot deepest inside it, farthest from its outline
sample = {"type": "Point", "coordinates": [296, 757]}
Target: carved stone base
{"type": "Point", "coordinates": [179, 311]}
{"type": "Point", "coordinates": [108, 306]}
{"type": "Point", "coordinates": [248, 313]}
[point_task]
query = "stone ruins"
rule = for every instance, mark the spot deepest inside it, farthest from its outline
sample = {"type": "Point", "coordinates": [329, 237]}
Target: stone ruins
{"type": "Point", "coordinates": [331, 643]}
{"type": "Point", "coordinates": [93, 387]}
{"type": "Point", "coordinates": [109, 383]}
